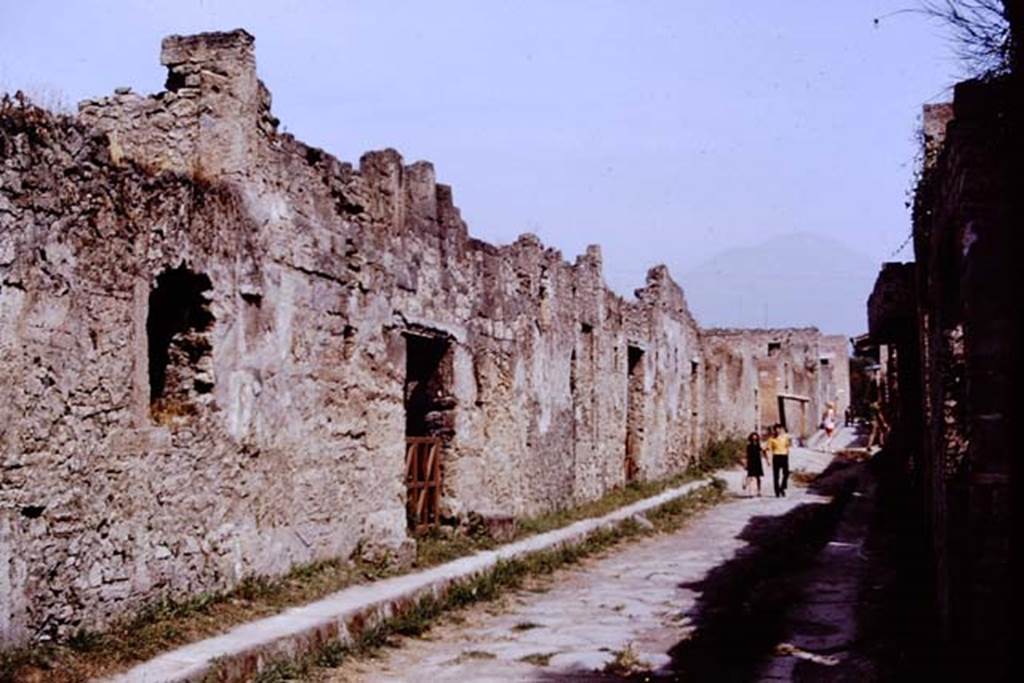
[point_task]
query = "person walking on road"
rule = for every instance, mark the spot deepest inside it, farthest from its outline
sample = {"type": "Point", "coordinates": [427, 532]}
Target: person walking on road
{"type": "Point", "coordinates": [754, 454]}
{"type": "Point", "coordinates": [828, 424]}
{"type": "Point", "coordinates": [879, 426]}
{"type": "Point", "coordinates": [778, 445]}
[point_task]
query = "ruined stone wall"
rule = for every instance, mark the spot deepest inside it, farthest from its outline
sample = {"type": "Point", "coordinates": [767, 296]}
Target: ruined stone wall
{"type": "Point", "coordinates": [834, 364]}
{"type": "Point", "coordinates": [963, 245]}
{"type": "Point", "coordinates": [892, 320]}
{"type": "Point", "coordinates": [950, 326]}
{"type": "Point", "coordinates": [207, 329]}
{"type": "Point", "coordinates": [731, 367]}
{"type": "Point", "coordinates": [101, 503]}
{"type": "Point", "coordinates": [675, 414]}
{"type": "Point", "coordinates": [748, 370]}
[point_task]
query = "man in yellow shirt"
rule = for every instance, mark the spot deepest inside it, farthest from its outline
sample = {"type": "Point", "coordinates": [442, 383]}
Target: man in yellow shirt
{"type": "Point", "coordinates": [778, 445]}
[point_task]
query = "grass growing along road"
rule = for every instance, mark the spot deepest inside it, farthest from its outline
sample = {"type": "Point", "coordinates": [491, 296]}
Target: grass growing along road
{"type": "Point", "coordinates": [435, 547]}
{"type": "Point", "coordinates": [172, 623]}
{"type": "Point", "coordinates": [504, 576]}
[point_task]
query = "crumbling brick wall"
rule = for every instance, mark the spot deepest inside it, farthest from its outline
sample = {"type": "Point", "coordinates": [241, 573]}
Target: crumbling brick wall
{"type": "Point", "coordinates": [206, 325]}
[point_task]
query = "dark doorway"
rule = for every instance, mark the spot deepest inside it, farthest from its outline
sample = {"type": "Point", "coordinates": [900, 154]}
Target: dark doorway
{"type": "Point", "coordinates": [429, 424]}
{"type": "Point", "coordinates": [634, 410]}
{"type": "Point", "coordinates": [428, 399]}
{"type": "Point", "coordinates": [788, 419]}
{"type": "Point", "coordinates": [573, 382]}
{"type": "Point", "coordinates": [177, 327]}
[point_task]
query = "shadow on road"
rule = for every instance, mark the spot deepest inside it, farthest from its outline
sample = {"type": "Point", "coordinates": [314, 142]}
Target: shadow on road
{"type": "Point", "coordinates": [740, 614]}
{"type": "Point", "coordinates": [751, 603]}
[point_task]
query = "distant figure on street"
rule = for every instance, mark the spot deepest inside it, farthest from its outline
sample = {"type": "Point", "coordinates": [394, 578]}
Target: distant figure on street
{"type": "Point", "coordinates": [754, 454]}
{"type": "Point", "coordinates": [828, 423]}
{"type": "Point", "coordinates": [778, 445]}
{"type": "Point", "coordinates": [879, 426]}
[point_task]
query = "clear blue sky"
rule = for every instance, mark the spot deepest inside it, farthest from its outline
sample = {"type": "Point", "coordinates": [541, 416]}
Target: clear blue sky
{"type": "Point", "coordinates": [665, 131]}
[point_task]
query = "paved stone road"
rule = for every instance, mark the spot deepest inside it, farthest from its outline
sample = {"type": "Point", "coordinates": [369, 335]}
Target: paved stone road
{"type": "Point", "coordinates": [631, 597]}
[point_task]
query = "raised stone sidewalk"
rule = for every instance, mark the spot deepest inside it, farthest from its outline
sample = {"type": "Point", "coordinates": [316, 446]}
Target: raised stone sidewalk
{"type": "Point", "coordinates": [643, 598]}
{"type": "Point", "coordinates": [241, 652]}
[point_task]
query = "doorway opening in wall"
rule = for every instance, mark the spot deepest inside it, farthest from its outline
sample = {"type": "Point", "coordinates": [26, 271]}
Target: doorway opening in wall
{"type": "Point", "coordinates": [634, 410]}
{"type": "Point", "coordinates": [429, 424]}
{"type": "Point", "coordinates": [178, 325]}
{"type": "Point", "coordinates": [789, 406]}
{"type": "Point", "coordinates": [694, 400]}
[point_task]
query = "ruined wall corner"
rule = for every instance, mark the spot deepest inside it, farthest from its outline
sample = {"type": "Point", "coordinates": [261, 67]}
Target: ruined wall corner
{"type": "Point", "coordinates": [209, 121]}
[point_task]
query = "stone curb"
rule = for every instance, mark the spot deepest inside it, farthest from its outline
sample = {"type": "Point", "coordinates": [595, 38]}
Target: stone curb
{"type": "Point", "coordinates": [248, 648]}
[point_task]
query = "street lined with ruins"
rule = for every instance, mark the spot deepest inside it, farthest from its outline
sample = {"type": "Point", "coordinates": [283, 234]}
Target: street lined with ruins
{"type": "Point", "coordinates": [634, 608]}
{"type": "Point", "coordinates": [270, 415]}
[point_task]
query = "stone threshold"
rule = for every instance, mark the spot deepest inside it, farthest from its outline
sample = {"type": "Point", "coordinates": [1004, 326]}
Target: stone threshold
{"type": "Point", "coordinates": [240, 653]}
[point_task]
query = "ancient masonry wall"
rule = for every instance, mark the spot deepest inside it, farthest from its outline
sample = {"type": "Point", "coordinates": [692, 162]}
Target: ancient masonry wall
{"type": "Point", "coordinates": [969, 316]}
{"type": "Point", "coordinates": [748, 371]}
{"type": "Point", "coordinates": [217, 339]}
{"type": "Point", "coordinates": [948, 328]}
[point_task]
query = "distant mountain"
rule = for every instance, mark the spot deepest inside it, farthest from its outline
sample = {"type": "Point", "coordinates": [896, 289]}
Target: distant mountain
{"type": "Point", "coordinates": [792, 280]}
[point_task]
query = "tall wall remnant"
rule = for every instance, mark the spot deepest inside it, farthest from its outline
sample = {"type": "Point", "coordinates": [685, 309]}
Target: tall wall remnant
{"type": "Point", "coordinates": [218, 340]}
{"type": "Point", "coordinates": [948, 326]}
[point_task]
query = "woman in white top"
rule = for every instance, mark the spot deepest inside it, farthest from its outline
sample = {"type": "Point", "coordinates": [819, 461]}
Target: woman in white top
{"type": "Point", "coordinates": [828, 423]}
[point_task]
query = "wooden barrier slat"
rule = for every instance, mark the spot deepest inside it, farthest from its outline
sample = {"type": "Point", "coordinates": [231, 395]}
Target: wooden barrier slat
{"type": "Point", "coordinates": [424, 480]}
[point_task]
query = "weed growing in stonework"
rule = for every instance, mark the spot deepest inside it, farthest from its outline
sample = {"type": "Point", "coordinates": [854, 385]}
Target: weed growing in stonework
{"type": "Point", "coordinates": [626, 662]}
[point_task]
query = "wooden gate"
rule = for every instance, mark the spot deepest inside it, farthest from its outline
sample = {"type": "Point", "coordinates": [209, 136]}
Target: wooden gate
{"type": "Point", "coordinates": [422, 481]}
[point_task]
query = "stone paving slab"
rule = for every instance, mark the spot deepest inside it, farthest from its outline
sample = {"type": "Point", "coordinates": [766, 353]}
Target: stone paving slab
{"type": "Point", "coordinates": [633, 596]}
{"type": "Point", "coordinates": [238, 654]}
{"type": "Point", "coordinates": [822, 628]}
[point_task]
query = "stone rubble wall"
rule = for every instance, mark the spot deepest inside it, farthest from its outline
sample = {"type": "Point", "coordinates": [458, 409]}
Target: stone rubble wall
{"type": "Point", "coordinates": [948, 331]}
{"type": "Point", "coordinates": [317, 270]}
{"type": "Point", "coordinates": [969, 318]}
{"type": "Point", "coordinates": [746, 373]}
{"type": "Point", "coordinates": [834, 384]}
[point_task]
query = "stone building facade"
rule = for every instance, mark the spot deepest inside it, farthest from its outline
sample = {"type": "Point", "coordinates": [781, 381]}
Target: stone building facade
{"type": "Point", "coordinates": [757, 378]}
{"type": "Point", "coordinates": [218, 340]}
{"type": "Point", "coordinates": [948, 329]}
